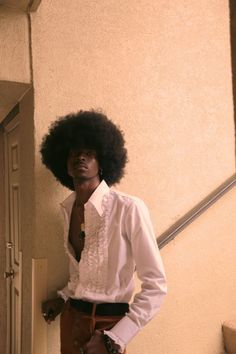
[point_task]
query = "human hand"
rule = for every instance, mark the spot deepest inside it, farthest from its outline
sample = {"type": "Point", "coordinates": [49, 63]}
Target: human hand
{"type": "Point", "coordinates": [96, 345]}
{"type": "Point", "coordinates": [52, 308]}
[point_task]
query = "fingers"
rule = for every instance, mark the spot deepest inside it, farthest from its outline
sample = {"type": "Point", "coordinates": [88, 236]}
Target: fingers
{"type": "Point", "coordinates": [52, 308]}
{"type": "Point", "coordinates": [49, 315]}
{"type": "Point", "coordinates": [95, 345]}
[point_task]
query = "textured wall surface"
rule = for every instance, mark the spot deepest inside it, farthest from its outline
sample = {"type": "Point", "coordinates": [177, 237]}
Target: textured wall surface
{"type": "Point", "coordinates": [160, 69]}
{"type": "Point", "coordinates": [14, 52]}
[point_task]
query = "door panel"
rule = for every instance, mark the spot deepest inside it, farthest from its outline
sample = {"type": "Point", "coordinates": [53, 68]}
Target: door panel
{"type": "Point", "coordinates": [13, 240]}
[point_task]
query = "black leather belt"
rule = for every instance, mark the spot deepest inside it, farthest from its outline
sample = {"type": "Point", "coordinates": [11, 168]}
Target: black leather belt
{"type": "Point", "coordinates": [105, 309]}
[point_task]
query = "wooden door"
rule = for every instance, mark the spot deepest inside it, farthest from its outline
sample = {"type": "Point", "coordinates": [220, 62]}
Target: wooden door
{"type": "Point", "coordinates": [13, 272]}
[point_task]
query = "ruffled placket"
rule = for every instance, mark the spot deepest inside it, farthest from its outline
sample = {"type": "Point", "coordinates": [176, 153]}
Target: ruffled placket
{"type": "Point", "coordinates": [93, 266]}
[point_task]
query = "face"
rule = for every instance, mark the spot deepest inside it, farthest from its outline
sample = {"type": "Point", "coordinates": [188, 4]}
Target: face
{"type": "Point", "coordinates": [82, 164]}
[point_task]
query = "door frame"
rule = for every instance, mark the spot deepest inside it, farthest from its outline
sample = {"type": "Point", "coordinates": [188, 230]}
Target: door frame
{"type": "Point", "coordinates": [3, 294]}
{"type": "Point", "coordinates": [11, 121]}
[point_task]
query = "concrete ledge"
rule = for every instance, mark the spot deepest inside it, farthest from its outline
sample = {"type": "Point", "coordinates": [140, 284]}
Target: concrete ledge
{"type": "Point", "coordinates": [21, 5]}
{"type": "Point", "coordinates": [229, 335]}
{"type": "Point", "coordinates": [10, 94]}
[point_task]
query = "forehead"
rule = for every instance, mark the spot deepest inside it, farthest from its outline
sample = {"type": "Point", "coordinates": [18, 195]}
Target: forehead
{"type": "Point", "coordinates": [79, 150]}
{"type": "Point", "coordinates": [81, 144]}
{"type": "Point", "coordinates": [82, 148]}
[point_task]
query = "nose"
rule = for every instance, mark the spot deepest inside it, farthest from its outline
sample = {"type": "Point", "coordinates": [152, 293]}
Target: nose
{"type": "Point", "coordinates": [81, 156]}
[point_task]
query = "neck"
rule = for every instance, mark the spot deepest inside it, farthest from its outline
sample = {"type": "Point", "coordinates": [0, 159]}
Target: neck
{"type": "Point", "coordinates": [84, 189]}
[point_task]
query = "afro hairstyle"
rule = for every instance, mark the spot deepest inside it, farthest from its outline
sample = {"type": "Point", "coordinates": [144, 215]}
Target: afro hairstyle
{"type": "Point", "coordinates": [85, 129]}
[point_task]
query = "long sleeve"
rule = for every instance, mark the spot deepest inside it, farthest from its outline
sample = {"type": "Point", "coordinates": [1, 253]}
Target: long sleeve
{"type": "Point", "coordinates": [150, 271]}
{"type": "Point", "coordinates": [68, 290]}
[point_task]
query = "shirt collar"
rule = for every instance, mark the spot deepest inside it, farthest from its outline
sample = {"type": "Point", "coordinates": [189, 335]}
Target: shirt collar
{"type": "Point", "coordinates": [95, 199]}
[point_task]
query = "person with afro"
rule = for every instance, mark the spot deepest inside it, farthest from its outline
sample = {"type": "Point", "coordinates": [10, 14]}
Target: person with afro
{"type": "Point", "coordinates": [108, 236]}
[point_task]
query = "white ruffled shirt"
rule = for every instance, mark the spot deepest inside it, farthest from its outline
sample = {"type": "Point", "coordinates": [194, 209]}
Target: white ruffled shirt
{"type": "Point", "coordinates": [119, 240]}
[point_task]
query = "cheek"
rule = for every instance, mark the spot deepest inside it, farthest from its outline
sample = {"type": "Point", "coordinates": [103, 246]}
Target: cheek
{"type": "Point", "coordinates": [69, 170]}
{"type": "Point", "coordinates": [97, 166]}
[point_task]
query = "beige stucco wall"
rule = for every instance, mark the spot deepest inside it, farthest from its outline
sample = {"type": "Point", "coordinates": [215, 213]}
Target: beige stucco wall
{"type": "Point", "coordinates": [162, 71]}
{"type": "Point", "coordinates": [14, 39]}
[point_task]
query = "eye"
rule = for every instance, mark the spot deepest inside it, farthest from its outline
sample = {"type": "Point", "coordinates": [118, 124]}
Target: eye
{"type": "Point", "coordinates": [73, 153]}
{"type": "Point", "coordinates": [85, 152]}
{"type": "Point", "coordinates": [90, 153]}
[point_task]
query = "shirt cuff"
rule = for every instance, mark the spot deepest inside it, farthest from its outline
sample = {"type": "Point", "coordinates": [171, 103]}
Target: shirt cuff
{"type": "Point", "coordinates": [123, 332]}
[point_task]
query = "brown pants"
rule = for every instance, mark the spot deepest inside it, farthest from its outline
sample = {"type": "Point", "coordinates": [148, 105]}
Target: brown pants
{"type": "Point", "coordinates": [77, 328]}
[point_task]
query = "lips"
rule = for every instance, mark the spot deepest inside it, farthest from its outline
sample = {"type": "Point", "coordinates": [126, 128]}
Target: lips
{"type": "Point", "coordinates": [80, 165]}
